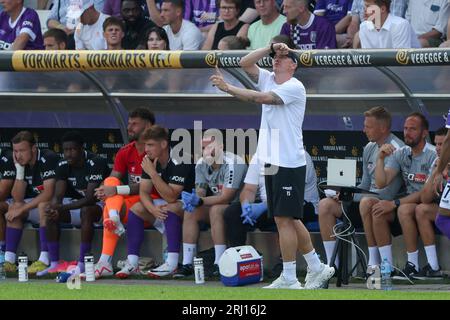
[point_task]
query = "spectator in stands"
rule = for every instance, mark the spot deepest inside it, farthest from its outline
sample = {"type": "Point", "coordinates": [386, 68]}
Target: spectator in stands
{"type": "Point", "coordinates": [397, 8]}
{"type": "Point", "coordinates": [425, 216]}
{"type": "Point", "coordinates": [251, 211]}
{"type": "Point", "coordinates": [20, 28]}
{"type": "Point", "coordinates": [229, 26]}
{"type": "Point", "coordinates": [377, 127]}
{"type": "Point", "coordinates": [155, 39]}
{"type": "Point", "coordinates": [163, 180]}
{"type": "Point", "coordinates": [219, 177]}
{"type": "Point", "coordinates": [118, 197]}
{"type": "Point", "coordinates": [233, 43]}
{"type": "Point", "coordinates": [7, 177]}
{"type": "Point", "coordinates": [307, 31]}
{"type": "Point", "coordinates": [58, 19]}
{"type": "Point", "coordinates": [203, 13]}
{"type": "Point", "coordinates": [248, 13]}
{"type": "Point", "coordinates": [113, 31]}
{"type": "Point", "coordinates": [339, 14]}
{"type": "Point", "coordinates": [262, 31]}
{"type": "Point", "coordinates": [413, 161]}
{"type": "Point", "coordinates": [154, 8]}
{"type": "Point", "coordinates": [429, 20]}
{"type": "Point", "coordinates": [33, 187]}
{"type": "Point", "coordinates": [77, 176]}
{"type": "Point", "coordinates": [182, 34]}
{"type": "Point", "coordinates": [392, 33]}
{"type": "Point", "coordinates": [114, 8]}
{"type": "Point", "coordinates": [446, 44]}
{"type": "Point", "coordinates": [89, 32]}
{"type": "Point", "coordinates": [136, 25]}
{"type": "Point", "coordinates": [55, 39]}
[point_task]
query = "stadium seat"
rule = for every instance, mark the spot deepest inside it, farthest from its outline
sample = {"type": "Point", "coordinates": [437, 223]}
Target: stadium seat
{"type": "Point", "coordinates": [43, 15]}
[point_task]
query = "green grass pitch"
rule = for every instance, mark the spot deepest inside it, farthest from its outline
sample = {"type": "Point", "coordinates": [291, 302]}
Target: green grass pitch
{"type": "Point", "coordinates": [36, 290]}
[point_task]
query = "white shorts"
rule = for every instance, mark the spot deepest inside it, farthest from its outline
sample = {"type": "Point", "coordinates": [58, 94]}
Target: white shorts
{"type": "Point", "coordinates": [445, 198]}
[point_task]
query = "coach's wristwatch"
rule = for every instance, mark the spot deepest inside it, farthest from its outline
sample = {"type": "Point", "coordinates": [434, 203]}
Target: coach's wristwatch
{"type": "Point", "coordinates": [397, 203]}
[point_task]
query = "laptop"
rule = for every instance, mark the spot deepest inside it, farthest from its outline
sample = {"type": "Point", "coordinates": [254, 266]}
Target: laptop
{"type": "Point", "coordinates": [341, 172]}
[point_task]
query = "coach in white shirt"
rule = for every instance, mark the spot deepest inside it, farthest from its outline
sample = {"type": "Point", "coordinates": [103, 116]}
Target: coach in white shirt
{"type": "Point", "coordinates": [392, 33]}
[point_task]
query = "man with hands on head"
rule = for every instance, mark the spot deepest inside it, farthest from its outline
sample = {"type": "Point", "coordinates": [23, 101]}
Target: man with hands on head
{"type": "Point", "coordinates": [280, 148]}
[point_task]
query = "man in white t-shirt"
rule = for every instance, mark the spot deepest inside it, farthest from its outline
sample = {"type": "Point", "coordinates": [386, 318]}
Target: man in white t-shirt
{"type": "Point", "coordinates": [89, 32]}
{"type": "Point", "coordinates": [182, 34]}
{"type": "Point", "coordinates": [280, 147]}
{"type": "Point", "coordinates": [389, 32]}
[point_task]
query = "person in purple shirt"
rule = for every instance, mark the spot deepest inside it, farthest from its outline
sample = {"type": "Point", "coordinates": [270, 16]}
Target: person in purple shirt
{"type": "Point", "coordinates": [333, 10]}
{"type": "Point", "coordinates": [20, 28]}
{"type": "Point", "coordinates": [306, 30]}
{"type": "Point", "coordinates": [203, 13]}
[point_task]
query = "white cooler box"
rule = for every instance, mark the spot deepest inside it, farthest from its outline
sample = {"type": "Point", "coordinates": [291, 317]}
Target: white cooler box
{"type": "Point", "coordinates": [240, 266]}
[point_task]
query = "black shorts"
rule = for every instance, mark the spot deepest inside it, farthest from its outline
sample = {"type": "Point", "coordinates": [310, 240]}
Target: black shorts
{"type": "Point", "coordinates": [396, 227]}
{"type": "Point", "coordinates": [285, 192]}
{"type": "Point", "coordinates": [353, 214]}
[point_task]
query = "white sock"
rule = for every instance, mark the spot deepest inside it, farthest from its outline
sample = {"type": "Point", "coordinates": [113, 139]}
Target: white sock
{"type": "Point", "coordinates": [413, 257]}
{"type": "Point", "coordinates": [105, 258]}
{"type": "Point", "coordinates": [133, 259]}
{"type": "Point", "coordinates": [172, 259]}
{"type": "Point", "coordinates": [219, 249]}
{"type": "Point", "coordinates": [374, 256]}
{"type": "Point", "coordinates": [313, 261]}
{"type": "Point", "coordinates": [113, 213]}
{"type": "Point", "coordinates": [189, 250]}
{"type": "Point", "coordinates": [10, 257]}
{"type": "Point", "coordinates": [43, 257]}
{"type": "Point", "coordinates": [329, 248]}
{"type": "Point", "coordinates": [386, 253]}
{"type": "Point", "coordinates": [290, 271]}
{"type": "Point", "coordinates": [432, 257]}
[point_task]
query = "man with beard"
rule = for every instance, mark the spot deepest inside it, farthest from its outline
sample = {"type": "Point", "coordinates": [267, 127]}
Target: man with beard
{"type": "Point", "coordinates": [414, 161]}
{"type": "Point", "coordinates": [120, 198]}
{"type": "Point", "coordinates": [377, 127]}
{"type": "Point", "coordinates": [136, 24]}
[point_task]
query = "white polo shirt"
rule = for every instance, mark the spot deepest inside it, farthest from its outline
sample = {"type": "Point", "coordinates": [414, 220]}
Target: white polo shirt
{"type": "Point", "coordinates": [425, 15]}
{"type": "Point", "coordinates": [396, 33]}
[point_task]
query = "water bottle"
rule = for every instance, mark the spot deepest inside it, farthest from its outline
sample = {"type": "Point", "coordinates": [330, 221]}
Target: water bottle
{"type": "Point", "coordinates": [386, 281]}
{"type": "Point", "coordinates": [2, 265]}
{"type": "Point", "coordinates": [23, 267]}
{"type": "Point", "coordinates": [262, 269]}
{"type": "Point", "coordinates": [199, 271]}
{"type": "Point", "coordinates": [89, 267]}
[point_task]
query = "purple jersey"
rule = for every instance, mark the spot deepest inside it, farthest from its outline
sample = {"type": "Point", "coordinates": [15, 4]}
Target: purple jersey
{"type": "Point", "coordinates": [27, 22]}
{"type": "Point", "coordinates": [318, 33]}
{"type": "Point", "coordinates": [201, 12]}
{"type": "Point", "coordinates": [334, 10]}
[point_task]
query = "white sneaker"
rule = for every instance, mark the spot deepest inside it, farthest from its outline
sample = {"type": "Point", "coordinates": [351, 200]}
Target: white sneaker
{"type": "Point", "coordinates": [316, 280]}
{"type": "Point", "coordinates": [127, 270]}
{"type": "Point", "coordinates": [103, 269]}
{"type": "Point", "coordinates": [162, 271]}
{"type": "Point", "coordinates": [113, 224]}
{"type": "Point", "coordinates": [281, 283]}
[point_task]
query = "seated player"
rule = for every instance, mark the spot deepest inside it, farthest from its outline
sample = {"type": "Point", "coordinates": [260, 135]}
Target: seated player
{"type": "Point", "coordinates": [77, 176]}
{"type": "Point", "coordinates": [163, 179]}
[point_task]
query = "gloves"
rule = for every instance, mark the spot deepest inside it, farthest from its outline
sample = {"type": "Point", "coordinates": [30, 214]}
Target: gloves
{"type": "Point", "coordinates": [251, 212]}
{"type": "Point", "coordinates": [190, 200]}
